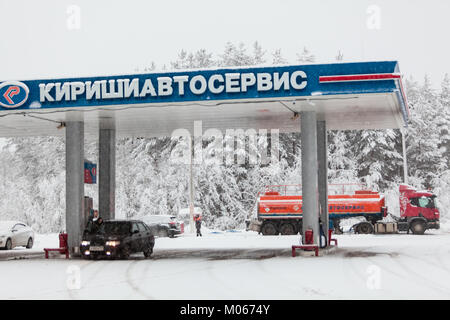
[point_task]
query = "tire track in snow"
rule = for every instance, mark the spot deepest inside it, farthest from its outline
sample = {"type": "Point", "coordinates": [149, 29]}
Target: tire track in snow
{"type": "Point", "coordinates": [212, 267]}
{"type": "Point", "coordinates": [408, 278]}
{"type": "Point", "coordinates": [355, 260]}
{"type": "Point", "coordinates": [287, 282]}
{"type": "Point", "coordinates": [74, 293]}
{"type": "Point", "coordinates": [130, 279]}
{"type": "Point", "coordinates": [441, 254]}
{"type": "Point", "coordinates": [431, 283]}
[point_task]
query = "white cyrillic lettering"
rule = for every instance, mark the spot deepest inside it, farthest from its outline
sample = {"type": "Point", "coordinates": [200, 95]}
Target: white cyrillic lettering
{"type": "Point", "coordinates": [147, 88]}
{"type": "Point", "coordinates": [164, 86]}
{"type": "Point", "coordinates": [129, 88]}
{"type": "Point", "coordinates": [232, 82]}
{"type": "Point", "coordinates": [91, 89]}
{"type": "Point", "coordinates": [247, 80]}
{"type": "Point", "coordinates": [180, 80]}
{"type": "Point", "coordinates": [212, 80]}
{"type": "Point", "coordinates": [264, 81]}
{"type": "Point", "coordinates": [279, 81]}
{"type": "Point", "coordinates": [44, 92]}
{"type": "Point", "coordinates": [112, 93]}
{"type": "Point", "coordinates": [295, 84]}
{"type": "Point", "coordinates": [76, 88]}
{"type": "Point", "coordinates": [64, 92]}
{"type": "Point", "coordinates": [193, 87]}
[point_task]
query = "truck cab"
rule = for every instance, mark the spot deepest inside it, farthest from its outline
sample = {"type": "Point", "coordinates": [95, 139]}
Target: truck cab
{"type": "Point", "coordinates": [418, 210]}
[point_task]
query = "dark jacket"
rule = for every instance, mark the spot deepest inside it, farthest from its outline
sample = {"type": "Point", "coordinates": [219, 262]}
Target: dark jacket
{"type": "Point", "coordinates": [94, 226]}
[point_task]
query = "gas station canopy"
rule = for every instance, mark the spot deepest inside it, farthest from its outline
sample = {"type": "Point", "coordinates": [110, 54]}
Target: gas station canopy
{"type": "Point", "coordinates": [360, 95]}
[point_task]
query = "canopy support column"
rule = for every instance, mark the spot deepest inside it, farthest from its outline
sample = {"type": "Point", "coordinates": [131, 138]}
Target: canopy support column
{"type": "Point", "coordinates": [107, 174]}
{"type": "Point", "coordinates": [310, 194]}
{"type": "Point", "coordinates": [74, 184]}
{"type": "Point", "coordinates": [322, 154]}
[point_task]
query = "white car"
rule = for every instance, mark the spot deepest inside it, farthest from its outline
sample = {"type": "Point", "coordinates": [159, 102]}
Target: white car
{"type": "Point", "coordinates": [15, 234]}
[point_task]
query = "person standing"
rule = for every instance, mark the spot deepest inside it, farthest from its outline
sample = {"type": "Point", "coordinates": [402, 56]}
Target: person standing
{"type": "Point", "coordinates": [94, 223]}
{"type": "Point", "coordinates": [198, 224]}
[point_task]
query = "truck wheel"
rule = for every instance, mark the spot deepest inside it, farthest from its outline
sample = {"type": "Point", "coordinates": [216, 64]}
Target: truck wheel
{"type": "Point", "coordinates": [364, 228]}
{"type": "Point", "coordinates": [287, 229]}
{"type": "Point", "coordinates": [269, 229]}
{"type": "Point", "coordinates": [417, 227]}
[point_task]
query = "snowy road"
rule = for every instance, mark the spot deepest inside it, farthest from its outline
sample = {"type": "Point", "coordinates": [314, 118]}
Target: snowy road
{"type": "Point", "coordinates": [242, 265]}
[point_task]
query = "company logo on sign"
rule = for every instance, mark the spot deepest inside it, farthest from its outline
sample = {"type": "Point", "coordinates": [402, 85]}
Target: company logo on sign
{"type": "Point", "coordinates": [13, 94]}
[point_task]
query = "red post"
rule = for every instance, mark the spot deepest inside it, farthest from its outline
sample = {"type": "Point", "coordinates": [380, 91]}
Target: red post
{"type": "Point", "coordinates": [329, 238]}
{"type": "Point", "coordinates": [309, 237]}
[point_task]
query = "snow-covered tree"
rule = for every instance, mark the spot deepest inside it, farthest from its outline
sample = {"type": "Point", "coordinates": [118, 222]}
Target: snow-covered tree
{"type": "Point", "coordinates": [378, 156]}
{"type": "Point", "coordinates": [277, 58]}
{"type": "Point", "coordinates": [305, 56]}
{"type": "Point", "coordinates": [425, 158]}
{"type": "Point", "coordinates": [234, 56]}
{"type": "Point", "coordinates": [340, 56]}
{"type": "Point", "coordinates": [258, 54]}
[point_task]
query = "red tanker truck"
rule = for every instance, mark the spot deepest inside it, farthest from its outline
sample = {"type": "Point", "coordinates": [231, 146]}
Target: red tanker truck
{"type": "Point", "coordinates": [281, 213]}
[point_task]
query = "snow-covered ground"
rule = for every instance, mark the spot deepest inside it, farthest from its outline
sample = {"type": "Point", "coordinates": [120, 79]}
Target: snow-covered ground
{"type": "Point", "coordinates": [241, 265]}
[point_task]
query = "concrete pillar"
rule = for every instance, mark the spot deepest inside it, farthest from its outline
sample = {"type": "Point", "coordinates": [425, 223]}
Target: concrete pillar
{"type": "Point", "coordinates": [74, 184]}
{"type": "Point", "coordinates": [309, 173]}
{"type": "Point", "coordinates": [322, 154]}
{"type": "Point", "coordinates": [107, 174]}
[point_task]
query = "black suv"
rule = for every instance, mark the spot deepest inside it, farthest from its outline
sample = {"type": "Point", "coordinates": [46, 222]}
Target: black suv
{"type": "Point", "coordinates": [118, 238]}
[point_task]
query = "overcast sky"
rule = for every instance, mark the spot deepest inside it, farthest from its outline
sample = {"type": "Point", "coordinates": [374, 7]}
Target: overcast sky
{"type": "Point", "coordinates": [60, 38]}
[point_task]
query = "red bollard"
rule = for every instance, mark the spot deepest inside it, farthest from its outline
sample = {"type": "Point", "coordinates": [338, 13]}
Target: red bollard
{"type": "Point", "coordinates": [62, 242]}
{"type": "Point", "coordinates": [309, 237]}
{"type": "Point", "coordinates": [330, 231]}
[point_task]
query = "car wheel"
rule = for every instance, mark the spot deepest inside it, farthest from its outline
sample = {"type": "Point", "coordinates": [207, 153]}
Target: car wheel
{"type": "Point", "coordinates": [8, 245]}
{"type": "Point", "coordinates": [148, 251]}
{"type": "Point", "coordinates": [30, 243]}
